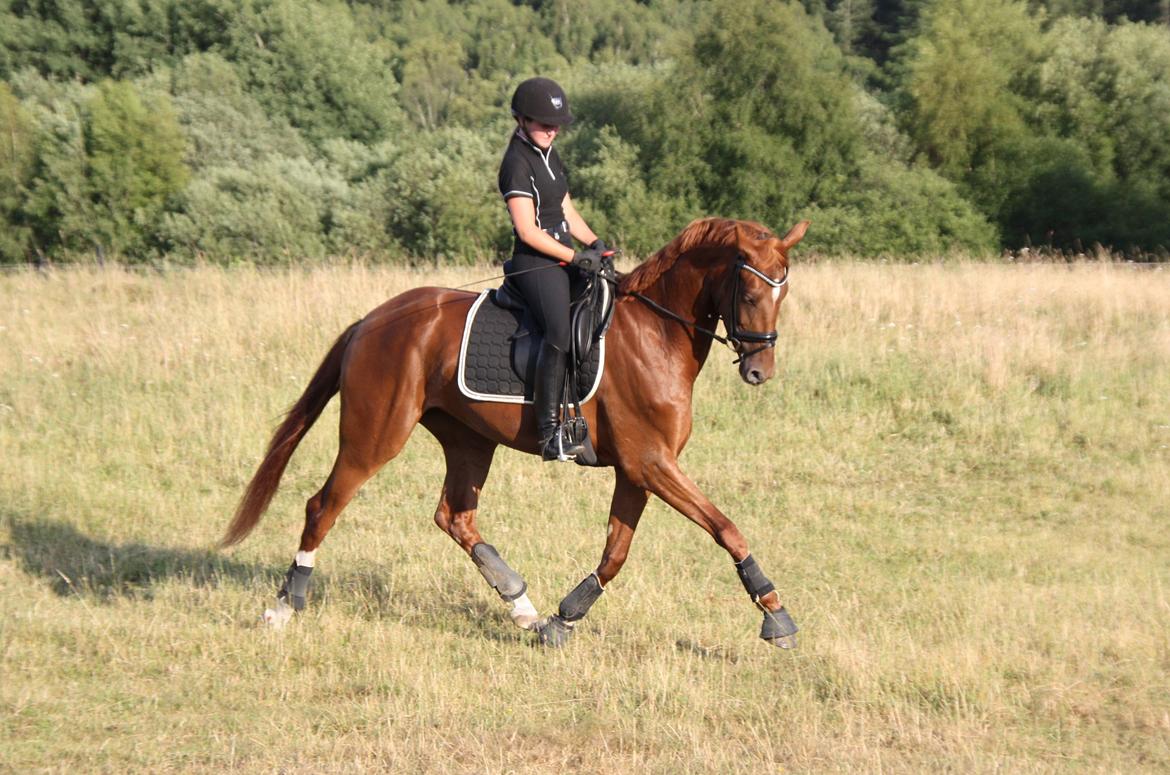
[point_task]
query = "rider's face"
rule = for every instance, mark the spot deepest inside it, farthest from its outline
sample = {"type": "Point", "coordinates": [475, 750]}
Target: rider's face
{"type": "Point", "coordinates": [541, 134]}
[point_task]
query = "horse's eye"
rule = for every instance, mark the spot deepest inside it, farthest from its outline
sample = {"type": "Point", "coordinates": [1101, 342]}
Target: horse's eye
{"type": "Point", "coordinates": [749, 299]}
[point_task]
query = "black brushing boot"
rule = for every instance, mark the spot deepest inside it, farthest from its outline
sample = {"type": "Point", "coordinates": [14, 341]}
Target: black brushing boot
{"type": "Point", "coordinates": [546, 400]}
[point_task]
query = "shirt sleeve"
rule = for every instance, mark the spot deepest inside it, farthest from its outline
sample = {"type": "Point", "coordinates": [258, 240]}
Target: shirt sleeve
{"type": "Point", "coordinates": [514, 179]}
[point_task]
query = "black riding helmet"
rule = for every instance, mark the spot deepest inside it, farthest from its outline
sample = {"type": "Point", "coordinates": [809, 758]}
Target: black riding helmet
{"type": "Point", "coordinates": [543, 100]}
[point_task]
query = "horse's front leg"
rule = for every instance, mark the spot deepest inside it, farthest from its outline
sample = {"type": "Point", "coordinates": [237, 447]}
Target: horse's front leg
{"type": "Point", "coordinates": [625, 510]}
{"type": "Point", "coordinates": [665, 479]}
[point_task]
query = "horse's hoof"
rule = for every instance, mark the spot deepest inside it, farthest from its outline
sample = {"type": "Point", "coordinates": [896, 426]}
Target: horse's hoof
{"type": "Point", "coordinates": [779, 629]}
{"type": "Point", "coordinates": [554, 631]}
{"type": "Point", "coordinates": [526, 621]}
{"type": "Point", "coordinates": [277, 618]}
{"type": "Point", "coordinates": [785, 642]}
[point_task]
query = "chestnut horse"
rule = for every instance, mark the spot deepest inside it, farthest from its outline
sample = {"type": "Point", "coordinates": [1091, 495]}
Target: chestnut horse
{"type": "Point", "coordinates": [397, 368]}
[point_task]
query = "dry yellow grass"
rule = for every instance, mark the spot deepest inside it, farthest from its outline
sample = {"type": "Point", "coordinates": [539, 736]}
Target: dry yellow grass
{"type": "Point", "coordinates": [959, 479]}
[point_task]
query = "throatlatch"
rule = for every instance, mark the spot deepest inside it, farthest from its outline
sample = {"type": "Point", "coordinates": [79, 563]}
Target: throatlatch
{"type": "Point", "coordinates": [296, 585]}
{"type": "Point", "coordinates": [508, 583]}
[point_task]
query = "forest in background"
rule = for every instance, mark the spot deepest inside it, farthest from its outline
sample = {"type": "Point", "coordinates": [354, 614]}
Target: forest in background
{"type": "Point", "coordinates": [275, 131]}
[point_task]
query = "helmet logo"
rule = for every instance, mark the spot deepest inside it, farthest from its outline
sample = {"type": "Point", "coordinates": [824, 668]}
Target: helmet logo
{"type": "Point", "coordinates": [557, 102]}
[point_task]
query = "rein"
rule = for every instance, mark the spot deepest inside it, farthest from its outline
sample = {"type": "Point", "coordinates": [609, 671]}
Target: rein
{"type": "Point", "coordinates": [502, 276]}
{"type": "Point", "coordinates": [736, 337]}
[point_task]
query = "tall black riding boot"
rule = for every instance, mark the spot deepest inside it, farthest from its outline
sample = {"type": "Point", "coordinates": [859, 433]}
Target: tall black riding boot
{"type": "Point", "coordinates": [546, 399]}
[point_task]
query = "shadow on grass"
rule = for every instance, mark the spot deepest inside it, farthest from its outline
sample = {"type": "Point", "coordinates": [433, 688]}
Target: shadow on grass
{"type": "Point", "coordinates": [72, 563]}
{"type": "Point", "coordinates": [452, 604]}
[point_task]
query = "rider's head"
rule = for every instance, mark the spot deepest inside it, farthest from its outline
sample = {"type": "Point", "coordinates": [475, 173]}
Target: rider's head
{"type": "Point", "coordinates": [541, 108]}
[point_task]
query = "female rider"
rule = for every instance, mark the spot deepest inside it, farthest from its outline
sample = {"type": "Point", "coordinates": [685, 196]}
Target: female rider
{"type": "Point", "coordinates": [544, 264]}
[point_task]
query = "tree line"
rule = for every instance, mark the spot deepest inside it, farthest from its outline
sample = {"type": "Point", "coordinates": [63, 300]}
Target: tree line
{"type": "Point", "coordinates": [278, 131]}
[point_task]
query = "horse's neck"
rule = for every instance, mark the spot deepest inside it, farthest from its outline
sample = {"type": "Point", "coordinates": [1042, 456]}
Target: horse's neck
{"type": "Point", "coordinates": [687, 290]}
{"type": "Point", "coordinates": [687, 286]}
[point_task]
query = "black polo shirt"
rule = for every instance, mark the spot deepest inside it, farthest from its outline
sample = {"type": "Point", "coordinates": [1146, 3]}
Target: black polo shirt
{"type": "Point", "coordinates": [539, 175]}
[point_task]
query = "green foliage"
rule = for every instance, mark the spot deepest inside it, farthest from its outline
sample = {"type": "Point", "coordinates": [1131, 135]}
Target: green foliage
{"type": "Point", "coordinates": [17, 155]}
{"type": "Point", "coordinates": [1108, 89]}
{"type": "Point", "coordinates": [613, 197]}
{"type": "Point", "coordinates": [961, 73]}
{"type": "Point", "coordinates": [442, 201]}
{"type": "Point", "coordinates": [57, 39]}
{"type": "Point", "coordinates": [1059, 199]}
{"type": "Point", "coordinates": [56, 205]}
{"type": "Point", "coordinates": [756, 120]}
{"type": "Point", "coordinates": [223, 123]}
{"type": "Point", "coordinates": [898, 211]}
{"type": "Point", "coordinates": [1063, 138]}
{"type": "Point", "coordinates": [852, 22]}
{"type": "Point", "coordinates": [108, 159]}
{"type": "Point", "coordinates": [1060, 137]}
{"type": "Point", "coordinates": [309, 63]}
{"type": "Point", "coordinates": [310, 128]}
{"type": "Point", "coordinates": [608, 30]}
{"type": "Point", "coordinates": [764, 122]}
{"type": "Point", "coordinates": [432, 80]}
{"type": "Point", "coordinates": [134, 156]}
{"type": "Point", "coordinates": [276, 211]}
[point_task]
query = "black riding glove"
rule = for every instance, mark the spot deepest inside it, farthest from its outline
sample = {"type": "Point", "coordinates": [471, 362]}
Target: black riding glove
{"type": "Point", "coordinates": [599, 245]}
{"type": "Point", "coordinates": [588, 260]}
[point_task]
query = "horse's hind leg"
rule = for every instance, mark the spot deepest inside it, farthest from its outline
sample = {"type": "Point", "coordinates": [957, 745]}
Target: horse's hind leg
{"type": "Point", "coordinates": [469, 457]}
{"type": "Point", "coordinates": [321, 512]}
{"type": "Point", "coordinates": [360, 455]}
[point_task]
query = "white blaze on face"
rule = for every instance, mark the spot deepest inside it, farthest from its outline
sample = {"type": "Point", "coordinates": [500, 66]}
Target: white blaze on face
{"type": "Point", "coordinates": [776, 294]}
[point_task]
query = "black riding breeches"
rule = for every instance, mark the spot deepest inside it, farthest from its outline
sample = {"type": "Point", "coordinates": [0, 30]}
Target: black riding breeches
{"type": "Point", "coordinates": [547, 290]}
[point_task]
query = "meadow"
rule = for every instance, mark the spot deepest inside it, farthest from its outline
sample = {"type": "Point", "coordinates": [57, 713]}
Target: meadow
{"type": "Point", "coordinates": [959, 479]}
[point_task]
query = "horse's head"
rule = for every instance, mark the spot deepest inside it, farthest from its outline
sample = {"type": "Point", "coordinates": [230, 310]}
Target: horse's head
{"type": "Point", "coordinates": [753, 289]}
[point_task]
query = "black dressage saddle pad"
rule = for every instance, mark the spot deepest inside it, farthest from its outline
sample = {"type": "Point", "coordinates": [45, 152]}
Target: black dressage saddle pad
{"type": "Point", "coordinates": [497, 357]}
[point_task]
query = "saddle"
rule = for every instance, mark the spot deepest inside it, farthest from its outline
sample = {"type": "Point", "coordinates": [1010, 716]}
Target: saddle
{"type": "Point", "coordinates": [590, 313]}
{"type": "Point", "coordinates": [497, 357]}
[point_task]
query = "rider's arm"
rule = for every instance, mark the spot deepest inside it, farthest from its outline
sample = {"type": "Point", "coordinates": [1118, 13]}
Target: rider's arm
{"type": "Point", "coordinates": [577, 226]}
{"type": "Point", "coordinates": [523, 213]}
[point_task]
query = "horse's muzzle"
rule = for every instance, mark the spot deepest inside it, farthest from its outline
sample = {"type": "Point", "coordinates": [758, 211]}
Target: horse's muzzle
{"type": "Point", "coordinates": [753, 372]}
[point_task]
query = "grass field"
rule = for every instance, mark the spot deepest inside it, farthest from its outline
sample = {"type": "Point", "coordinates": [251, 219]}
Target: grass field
{"type": "Point", "coordinates": [959, 479]}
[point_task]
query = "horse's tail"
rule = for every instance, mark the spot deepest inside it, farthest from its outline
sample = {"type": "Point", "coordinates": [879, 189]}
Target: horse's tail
{"type": "Point", "coordinates": [322, 387]}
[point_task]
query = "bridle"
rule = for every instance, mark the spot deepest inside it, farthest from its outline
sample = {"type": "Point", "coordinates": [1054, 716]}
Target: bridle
{"type": "Point", "coordinates": [736, 336]}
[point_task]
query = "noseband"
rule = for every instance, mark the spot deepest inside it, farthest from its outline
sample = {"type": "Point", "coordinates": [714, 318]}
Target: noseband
{"type": "Point", "coordinates": [736, 336]}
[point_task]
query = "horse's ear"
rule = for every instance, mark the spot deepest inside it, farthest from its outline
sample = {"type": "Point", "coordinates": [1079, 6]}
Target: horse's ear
{"type": "Point", "coordinates": [794, 235]}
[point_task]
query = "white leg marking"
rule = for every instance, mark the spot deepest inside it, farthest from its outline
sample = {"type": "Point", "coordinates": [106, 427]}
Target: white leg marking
{"type": "Point", "coordinates": [523, 613]}
{"type": "Point", "coordinates": [305, 559]}
{"type": "Point", "coordinates": [276, 618]}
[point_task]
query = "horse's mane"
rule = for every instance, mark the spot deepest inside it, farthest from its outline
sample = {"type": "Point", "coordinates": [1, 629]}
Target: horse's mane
{"type": "Point", "coordinates": [705, 231]}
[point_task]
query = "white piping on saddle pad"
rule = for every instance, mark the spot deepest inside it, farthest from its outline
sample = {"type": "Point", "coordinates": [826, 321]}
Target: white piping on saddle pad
{"type": "Point", "coordinates": [501, 399]}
